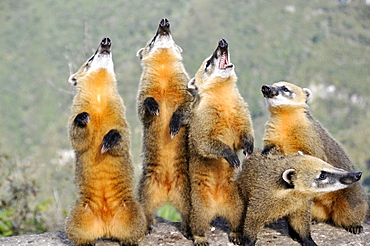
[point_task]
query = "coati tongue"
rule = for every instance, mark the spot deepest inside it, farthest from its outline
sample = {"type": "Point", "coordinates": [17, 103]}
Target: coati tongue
{"type": "Point", "coordinates": [224, 61]}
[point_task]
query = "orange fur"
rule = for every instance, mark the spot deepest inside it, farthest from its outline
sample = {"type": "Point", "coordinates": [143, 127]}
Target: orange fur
{"type": "Point", "coordinates": [291, 128]}
{"type": "Point", "coordinates": [106, 207]}
{"type": "Point", "coordinates": [220, 123]}
{"type": "Point", "coordinates": [165, 167]}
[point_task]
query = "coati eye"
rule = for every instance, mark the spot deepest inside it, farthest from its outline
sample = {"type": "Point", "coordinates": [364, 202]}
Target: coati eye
{"type": "Point", "coordinates": [323, 176]}
{"type": "Point", "coordinates": [285, 89]}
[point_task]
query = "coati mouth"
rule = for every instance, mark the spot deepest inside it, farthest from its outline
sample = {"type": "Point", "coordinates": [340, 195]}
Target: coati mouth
{"type": "Point", "coordinates": [224, 60]}
{"type": "Point", "coordinates": [164, 27]}
{"type": "Point", "coordinates": [105, 46]}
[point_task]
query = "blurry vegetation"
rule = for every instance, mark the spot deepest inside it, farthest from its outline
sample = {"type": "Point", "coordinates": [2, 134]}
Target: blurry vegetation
{"type": "Point", "coordinates": [20, 210]}
{"type": "Point", "coordinates": [322, 45]}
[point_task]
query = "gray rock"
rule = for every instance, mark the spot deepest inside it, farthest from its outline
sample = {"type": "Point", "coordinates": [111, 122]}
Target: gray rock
{"type": "Point", "coordinates": [167, 233]}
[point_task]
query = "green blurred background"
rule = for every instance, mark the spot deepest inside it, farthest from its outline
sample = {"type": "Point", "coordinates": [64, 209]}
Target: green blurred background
{"type": "Point", "coordinates": [323, 45]}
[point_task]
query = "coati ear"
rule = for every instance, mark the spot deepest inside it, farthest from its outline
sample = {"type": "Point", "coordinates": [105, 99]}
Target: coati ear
{"type": "Point", "coordinates": [139, 53]}
{"type": "Point", "coordinates": [72, 79]}
{"type": "Point", "coordinates": [192, 85]}
{"type": "Point", "coordinates": [287, 175]}
{"type": "Point", "coordinates": [179, 48]}
{"type": "Point", "coordinates": [308, 94]}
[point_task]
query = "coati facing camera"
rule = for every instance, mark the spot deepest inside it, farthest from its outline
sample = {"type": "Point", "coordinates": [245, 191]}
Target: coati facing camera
{"type": "Point", "coordinates": [276, 186]}
{"type": "Point", "coordinates": [220, 125]}
{"type": "Point", "coordinates": [291, 128]}
{"type": "Point", "coordinates": [164, 107]}
{"type": "Point", "coordinates": [100, 135]}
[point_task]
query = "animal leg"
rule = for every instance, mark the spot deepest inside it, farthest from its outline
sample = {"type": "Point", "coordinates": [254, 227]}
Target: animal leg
{"type": "Point", "coordinates": [82, 226]}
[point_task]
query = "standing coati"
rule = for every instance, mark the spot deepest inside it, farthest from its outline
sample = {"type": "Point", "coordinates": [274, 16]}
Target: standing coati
{"type": "Point", "coordinates": [220, 125]}
{"type": "Point", "coordinates": [276, 186]}
{"type": "Point", "coordinates": [163, 107]}
{"type": "Point", "coordinates": [291, 128]}
{"type": "Point", "coordinates": [100, 136]}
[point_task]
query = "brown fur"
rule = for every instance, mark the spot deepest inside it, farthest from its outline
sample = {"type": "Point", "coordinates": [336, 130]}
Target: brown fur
{"type": "Point", "coordinates": [291, 128]}
{"type": "Point", "coordinates": [106, 207]}
{"type": "Point", "coordinates": [165, 165]}
{"type": "Point", "coordinates": [269, 197]}
{"type": "Point", "coordinates": [220, 125]}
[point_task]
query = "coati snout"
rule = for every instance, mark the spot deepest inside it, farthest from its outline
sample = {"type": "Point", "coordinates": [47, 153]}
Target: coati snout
{"type": "Point", "coordinates": [351, 178]}
{"type": "Point", "coordinates": [164, 27]}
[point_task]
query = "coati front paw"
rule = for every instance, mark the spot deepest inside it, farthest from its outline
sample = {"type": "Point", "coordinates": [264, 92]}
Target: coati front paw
{"type": "Point", "coordinates": [236, 238]}
{"type": "Point", "coordinates": [248, 145]}
{"type": "Point", "coordinates": [267, 149]}
{"type": "Point", "coordinates": [151, 104]}
{"type": "Point", "coordinates": [355, 229]}
{"type": "Point", "coordinates": [82, 119]}
{"type": "Point", "coordinates": [175, 124]}
{"type": "Point", "coordinates": [109, 140]}
{"type": "Point", "coordinates": [231, 157]}
{"type": "Point", "coordinates": [200, 241]}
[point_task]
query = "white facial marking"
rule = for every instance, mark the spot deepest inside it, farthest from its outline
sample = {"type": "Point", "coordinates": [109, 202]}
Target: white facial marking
{"type": "Point", "coordinates": [223, 73]}
{"type": "Point", "coordinates": [164, 42]}
{"type": "Point", "coordinates": [102, 61]}
{"type": "Point", "coordinates": [329, 188]}
{"type": "Point", "coordinates": [283, 98]}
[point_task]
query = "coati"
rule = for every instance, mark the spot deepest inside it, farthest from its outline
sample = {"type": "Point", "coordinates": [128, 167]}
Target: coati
{"type": "Point", "coordinates": [291, 128]}
{"type": "Point", "coordinates": [219, 126]}
{"type": "Point", "coordinates": [163, 105]}
{"type": "Point", "coordinates": [274, 187]}
{"type": "Point", "coordinates": [100, 135]}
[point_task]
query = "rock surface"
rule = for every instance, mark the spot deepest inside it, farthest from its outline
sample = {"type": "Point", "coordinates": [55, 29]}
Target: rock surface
{"type": "Point", "coordinates": [167, 233]}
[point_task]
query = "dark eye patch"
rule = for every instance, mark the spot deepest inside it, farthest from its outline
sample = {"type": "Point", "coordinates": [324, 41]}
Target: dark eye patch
{"type": "Point", "coordinates": [208, 63]}
{"type": "Point", "coordinates": [91, 59]}
{"type": "Point", "coordinates": [285, 89]}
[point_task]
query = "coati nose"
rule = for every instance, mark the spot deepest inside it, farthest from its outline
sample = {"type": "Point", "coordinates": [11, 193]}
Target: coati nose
{"type": "Point", "coordinates": [106, 42]}
{"type": "Point", "coordinates": [164, 23]}
{"type": "Point", "coordinates": [222, 43]}
{"type": "Point", "coordinates": [357, 175]}
{"type": "Point", "coordinates": [266, 90]}
{"type": "Point", "coordinates": [164, 27]}
{"type": "Point", "coordinates": [351, 178]}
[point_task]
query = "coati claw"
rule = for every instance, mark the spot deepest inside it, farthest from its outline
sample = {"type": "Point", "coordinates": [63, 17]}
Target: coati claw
{"type": "Point", "coordinates": [151, 104]}
{"type": "Point", "coordinates": [236, 238]}
{"type": "Point", "coordinates": [231, 157]}
{"type": "Point", "coordinates": [109, 140]}
{"type": "Point", "coordinates": [355, 229]}
{"type": "Point", "coordinates": [248, 144]}
{"type": "Point", "coordinates": [82, 119]}
{"type": "Point", "coordinates": [175, 124]}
